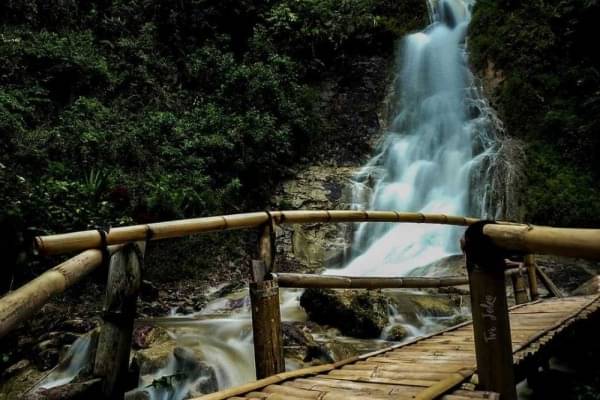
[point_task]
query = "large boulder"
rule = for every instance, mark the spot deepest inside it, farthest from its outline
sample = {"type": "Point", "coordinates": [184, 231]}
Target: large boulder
{"type": "Point", "coordinates": [312, 247]}
{"type": "Point", "coordinates": [361, 314]}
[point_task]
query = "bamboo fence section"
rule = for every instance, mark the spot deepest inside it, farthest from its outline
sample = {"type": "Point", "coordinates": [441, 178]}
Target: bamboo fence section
{"type": "Point", "coordinates": [78, 241]}
{"type": "Point", "coordinates": [570, 242]}
{"type": "Point", "coordinates": [292, 280]}
{"type": "Point", "coordinates": [20, 304]}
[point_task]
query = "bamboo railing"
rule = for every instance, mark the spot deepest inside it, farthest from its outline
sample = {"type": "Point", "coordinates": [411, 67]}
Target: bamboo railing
{"type": "Point", "coordinates": [486, 245]}
{"type": "Point", "coordinates": [78, 241]}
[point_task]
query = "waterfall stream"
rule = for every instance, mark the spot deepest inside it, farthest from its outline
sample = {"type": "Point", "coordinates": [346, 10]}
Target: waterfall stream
{"type": "Point", "coordinates": [437, 156]}
{"type": "Point", "coordinates": [442, 138]}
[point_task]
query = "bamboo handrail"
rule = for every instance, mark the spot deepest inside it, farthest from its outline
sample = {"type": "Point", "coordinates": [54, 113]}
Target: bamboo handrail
{"type": "Point", "coordinates": [293, 280]}
{"type": "Point", "coordinates": [83, 240]}
{"type": "Point", "coordinates": [570, 242]}
{"type": "Point", "coordinates": [20, 304]}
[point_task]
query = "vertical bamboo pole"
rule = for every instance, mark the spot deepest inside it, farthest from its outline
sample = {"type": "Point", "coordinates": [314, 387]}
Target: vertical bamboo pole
{"type": "Point", "coordinates": [114, 343]}
{"type": "Point", "coordinates": [529, 262]}
{"type": "Point", "coordinates": [266, 317]}
{"type": "Point", "coordinates": [491, 326]}
{"type": "Point", "coordinates": [519, 289]}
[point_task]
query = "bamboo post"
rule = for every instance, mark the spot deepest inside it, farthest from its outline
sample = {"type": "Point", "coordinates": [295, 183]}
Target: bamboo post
{"type": "Point", "coordinates": [114, 343]}
{"type": "Point", "coordinates": [266, 317]}
{"type": "Point", "coordinates": [491, 326]}
{"type": "Point", "coordinates": [266, 325]}
{"type": "Point", "coordinates": [519, 289]}
{"type": "Point", "coordinates": [529, 262]}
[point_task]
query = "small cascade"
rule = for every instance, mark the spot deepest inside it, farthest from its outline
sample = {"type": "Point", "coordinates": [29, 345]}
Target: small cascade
{"type": "Point", "coordinates": [77, 358]}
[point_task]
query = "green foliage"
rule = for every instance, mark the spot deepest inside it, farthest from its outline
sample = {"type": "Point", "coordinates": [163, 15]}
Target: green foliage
{"type": "Point", "coordinates": [549, 97]}
{"type": "Point", "coordinates": [147, 110]}
{"type": "Point", "coordinates": [558, 194]}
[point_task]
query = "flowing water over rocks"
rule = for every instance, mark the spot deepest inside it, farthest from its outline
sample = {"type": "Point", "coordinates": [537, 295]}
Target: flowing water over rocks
{"type": "Point", "coordinates": [442, 142]}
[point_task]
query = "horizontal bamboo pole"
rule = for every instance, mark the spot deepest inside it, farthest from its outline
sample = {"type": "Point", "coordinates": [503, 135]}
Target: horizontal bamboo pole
{"type": "Point", "coordinates": [20, 304]}
{"type": "Point", "coordinates": [290, 280]}
{"type": "Point", "coordinates": [79, 241]}
{"type": "Point", "coordinates": [570, 242]}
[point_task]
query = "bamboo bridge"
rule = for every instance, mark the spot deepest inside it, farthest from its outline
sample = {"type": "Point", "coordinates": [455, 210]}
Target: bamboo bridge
{"type": "Point", "coordinates": [482, 358]}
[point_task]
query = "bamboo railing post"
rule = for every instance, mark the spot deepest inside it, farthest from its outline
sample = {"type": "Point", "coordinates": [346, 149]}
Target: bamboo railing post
{"type": "Point", "coordinates": [519, 287]}
{"type": "Point", "coordinates": [529, 262]}
{"type": "Point", "coordinates": [491, 326]}
{"type": "Point", "coordinates": [114, 343]}
{"type": "Point", "coordinates": [266, 317]}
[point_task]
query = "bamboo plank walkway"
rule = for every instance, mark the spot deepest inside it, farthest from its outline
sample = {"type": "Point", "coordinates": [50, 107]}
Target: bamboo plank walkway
{"type": "Point", "coordinates": [422, 368]}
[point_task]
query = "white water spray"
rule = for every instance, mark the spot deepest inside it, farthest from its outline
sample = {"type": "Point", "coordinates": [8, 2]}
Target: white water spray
{"type": "Point", "coordinates": [441, 138]}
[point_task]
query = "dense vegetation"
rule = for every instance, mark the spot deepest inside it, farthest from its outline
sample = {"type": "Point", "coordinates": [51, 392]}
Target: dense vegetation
{"type": "Point", "coordinates": [113, 112]}
{"type": "Point", "coordinates": [549, 97]}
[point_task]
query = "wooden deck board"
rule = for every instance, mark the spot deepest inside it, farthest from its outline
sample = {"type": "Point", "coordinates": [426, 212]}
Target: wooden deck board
{"type": "Point", "coordinates": [402, 371]}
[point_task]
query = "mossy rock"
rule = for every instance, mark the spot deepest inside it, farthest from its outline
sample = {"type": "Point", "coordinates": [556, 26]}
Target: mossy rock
{"type": "Point", "coordinates": [396, 333]}
{"type": "Point", "coordinates": [361, 314]}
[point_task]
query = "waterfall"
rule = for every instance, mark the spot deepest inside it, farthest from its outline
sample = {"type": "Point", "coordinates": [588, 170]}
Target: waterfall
{"type": "Point", "coordinates": [442, 138]}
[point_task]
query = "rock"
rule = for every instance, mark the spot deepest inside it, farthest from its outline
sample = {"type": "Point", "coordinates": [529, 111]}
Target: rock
{"type": "Point", "coordinates": [15, 368]}
{"type": "Point", "coordinates": [396, 333]}
{"type": "Point", "coordinates": [590, 287]}
{"type": "Point", "coordinates": [311, 247]}
{"type": "Point", "coordinates": [410, 304]}
{"type": "Point", "coordinates": [155, 355]}
{"type": "Point", "coordinates": [299, 344]}
{"type": "Point", "coordinates": [361, 314]}
{"type": "Point", "coordinates": [137, 395]}
{"type": "Point", "coordinates": [15, 386]}
{"type": "Point", "coordinates": [194, 369]}
{"type": "Point", "coordinates": [457, 319]}
{"type": "Point", "coordinates": [140, 338]}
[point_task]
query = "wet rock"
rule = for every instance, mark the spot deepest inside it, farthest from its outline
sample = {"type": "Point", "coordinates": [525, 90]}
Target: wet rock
{"type": "Point", "coordinates": [396, 333]}
{"type": "Point", "coordinates": [410, 305]}
{"type": "Point", "coordinates": [360, 314]}
{"type": "Point", "coordinates": [158, 346]}
{"type": "Point", "coordinates": [142, 337]}
{"type": "Point", "coordinates": [15, 368]}
{"type": "Point", "coordinates": [196, 370]}
{"type": "Point", "coordinates": [228, 289]}
{"type": "Point", "coordinates": [299, 344]}
{"type": "Point", "coordinates": [457, 319]}
{"type": "Point", "coordinates": [590, 287]}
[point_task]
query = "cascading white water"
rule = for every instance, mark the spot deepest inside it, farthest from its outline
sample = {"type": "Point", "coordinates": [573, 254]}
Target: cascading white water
{"type": "Point", "coordinates": [441, 138]}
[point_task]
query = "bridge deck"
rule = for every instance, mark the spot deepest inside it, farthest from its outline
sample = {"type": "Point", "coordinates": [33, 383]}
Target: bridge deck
{"type": "Point", "coordinates": [411, 370]}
